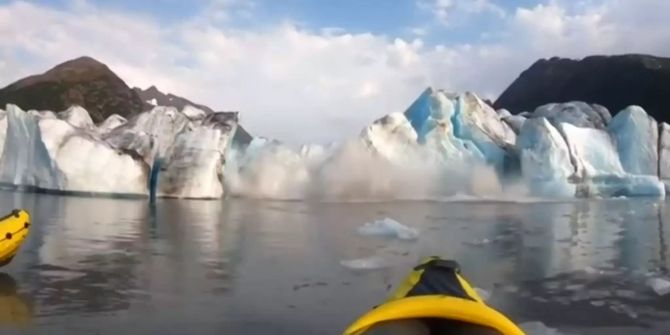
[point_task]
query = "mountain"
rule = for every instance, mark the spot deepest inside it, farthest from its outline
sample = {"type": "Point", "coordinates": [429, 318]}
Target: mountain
{"type": "Point", "coordinates": [612, 81]}
{"type": "Point", "coordinates": [153, 96]}
{"type": "Point", "coordinates": [83, 81]}
{"type": "Point", "coordinates": [91, 84]}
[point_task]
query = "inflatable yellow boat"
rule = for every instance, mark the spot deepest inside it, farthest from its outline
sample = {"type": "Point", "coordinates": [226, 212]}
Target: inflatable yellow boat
{"type": "Point", "coordinates": [435, 299]}
{"type": "Point", "coordinates": [13, 230]}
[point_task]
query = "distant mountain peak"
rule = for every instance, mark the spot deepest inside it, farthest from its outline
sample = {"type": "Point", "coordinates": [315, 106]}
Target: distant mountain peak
{"type": "Point", "coordinates": [82, 81]}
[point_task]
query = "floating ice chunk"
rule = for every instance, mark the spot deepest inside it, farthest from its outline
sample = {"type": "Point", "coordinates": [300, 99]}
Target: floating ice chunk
{"type": "Point", "coordinates": [369, 263]}
{"type": "Point", "coordinates": [480, 242]}
{"type": "Point", "coordinates": [510, 288]}
{"type": "Point", "coordinates": [626, 185]}
{"type": "Point", "coordinates": [484, 294]}
{"type": "Point", "coordinates": [660, 285]}
{"type": "Point", "coordinates": [389, 228]}
{"type": "Point", "coordinates": [636, 136]}
{"type": "Point", "coordinates": [537, 328]}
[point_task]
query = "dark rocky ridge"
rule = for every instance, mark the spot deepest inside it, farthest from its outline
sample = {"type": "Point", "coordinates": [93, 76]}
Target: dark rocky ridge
{"type": "Point", "coordinates": [88, 83]}
{"type": "Point", "coordinates": [168, 99]}
{"type": "Point", "coordinates": [612, 81]}
{"type": "Point", "coordinates": [83, 81]}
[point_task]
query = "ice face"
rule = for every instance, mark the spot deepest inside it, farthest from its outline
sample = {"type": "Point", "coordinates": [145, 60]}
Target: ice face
{"type": "Point", "coordinates": [457, 126]}
{"type": "Point", "coordinates": [664, 151]}
{"type": "Point", "coordinates": [577, 113]}
{"type": "Point", "coordinates": [193, 165]}
{"type": "Point", "coordinates": [3, 130]}
{"type": "Point", "coordinates": [592, 151]}
{"type": "Point", "coordinates": [545, 159]}
{"type": "Point", "coordinates": [25, 159]}
{"type": "Point", "coordinates": [636, 138]}
{"type": "Point", "coordinates": [627, 185]}
{"type": "Point", "coordinates": [515, 122]}
{"type": "Point", "coordinates": [91, 165]}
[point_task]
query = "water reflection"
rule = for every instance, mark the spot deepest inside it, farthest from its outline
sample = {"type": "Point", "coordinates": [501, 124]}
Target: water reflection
{"type": "Point", "coordinates": [14, 309]}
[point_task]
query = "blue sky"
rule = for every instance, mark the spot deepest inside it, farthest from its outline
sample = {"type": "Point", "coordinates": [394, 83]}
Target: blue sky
{"type": "Point", "coordinates": [399, 18]}
{"type": "Point", "coordinates": [320, 70]}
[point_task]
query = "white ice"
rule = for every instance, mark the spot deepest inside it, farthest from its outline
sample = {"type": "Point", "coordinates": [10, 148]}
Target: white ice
{"type": "Point", "coordinates": [635, 134]}
{"type": "Point", "coordinates": [388, 227]}
{"type": "Point", "coordinates": [591, 151]}
{"type": "Point", "coordinates": [660, 285]}
{"type": "Point", "coordinates": [194, 163]}
{"type": "Point", "coordinates": [25, 159]}
{"type": "Point", "coordinates": [537, 328]}
{"type": "Point", "coordinates": [77, 116]}
{"type": "Point", "coordinates": [193, 113]}
{"type": "Point", "coordinates": [369, 263]}
{"type": "Point", "coordinates": [111, 123]}
{"type": "Point", "coordinates": [664, 151]}
{"type": "Point", "coordinates": [545, 159]}
{"type": "Point", "coordinates": [577, 113]}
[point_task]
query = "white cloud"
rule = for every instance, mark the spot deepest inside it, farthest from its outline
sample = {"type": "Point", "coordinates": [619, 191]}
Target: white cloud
{"type": "Point", "coordinates": [300, 85]}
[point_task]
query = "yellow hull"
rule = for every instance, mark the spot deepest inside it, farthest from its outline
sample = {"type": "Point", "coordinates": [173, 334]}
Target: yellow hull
{"type": "Point", "coordinates": [13, 231]}
{"type": "Point", "coordinates": [453, 299]}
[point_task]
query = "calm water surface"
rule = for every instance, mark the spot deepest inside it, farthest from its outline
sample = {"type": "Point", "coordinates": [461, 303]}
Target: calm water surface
{"type": "Point", "coordinates": [112, 266]}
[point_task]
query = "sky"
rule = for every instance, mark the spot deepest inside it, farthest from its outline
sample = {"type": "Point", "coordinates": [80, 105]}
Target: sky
{"type": "Point", "coordinates": [321, 70]}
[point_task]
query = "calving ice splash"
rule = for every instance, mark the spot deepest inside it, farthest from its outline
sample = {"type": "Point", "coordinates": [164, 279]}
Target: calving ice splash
{"type": "Point", "coordinates": [444, 146]}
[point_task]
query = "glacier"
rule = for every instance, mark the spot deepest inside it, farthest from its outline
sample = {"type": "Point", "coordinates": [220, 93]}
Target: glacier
{"type": "Point", "coordinates": [67, 152]}
{"type": "Point", "coordinates": [443, 146]}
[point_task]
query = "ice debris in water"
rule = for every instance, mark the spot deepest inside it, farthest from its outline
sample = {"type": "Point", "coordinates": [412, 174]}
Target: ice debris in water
{"type": "Point", "coordinates": [537, 328]}
{"type": "Point", "coordinates": [369, 263]}
{"type": "Point", "coordinates": [388, 228]}
{"type": "Point", "coordinates": [660, 285]}
{"type": "Point", "coordinates": [484, 294]}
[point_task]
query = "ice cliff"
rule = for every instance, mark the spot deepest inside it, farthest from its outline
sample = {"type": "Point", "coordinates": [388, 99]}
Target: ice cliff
{"type": "Point", "coordinates": [445, 144]}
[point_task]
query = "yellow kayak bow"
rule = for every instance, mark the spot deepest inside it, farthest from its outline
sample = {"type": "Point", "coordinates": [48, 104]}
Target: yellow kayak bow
{"type": "Point", "coordinates": [438, 297]}
{"type": "Point", "coordinates": [13, 230]}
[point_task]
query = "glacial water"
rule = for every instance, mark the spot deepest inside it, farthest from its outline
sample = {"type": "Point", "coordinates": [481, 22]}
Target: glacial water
{"type": "Point", "coordinates": [236, 266]}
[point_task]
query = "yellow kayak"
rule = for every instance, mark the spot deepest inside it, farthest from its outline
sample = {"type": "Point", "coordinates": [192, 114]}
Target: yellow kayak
{"type": "Point", "coordinates": [14, 310]}
{"type": "Point", "coordinates": [434, 299]}
{"type": "Point", "coordinates": [13, 230]}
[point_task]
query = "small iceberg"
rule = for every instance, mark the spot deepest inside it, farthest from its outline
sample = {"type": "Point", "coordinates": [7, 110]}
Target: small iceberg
{"type": "Point", "coordinates": [660, 285]}
{"type": "Point", "coordinates": [484, 294]}
{"type": "Point", "coordinates": [388, 228]}
{"type": "Point", "coordinates": [537, 328]}
{"type": "Point", "coordinates": [369, 263]}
